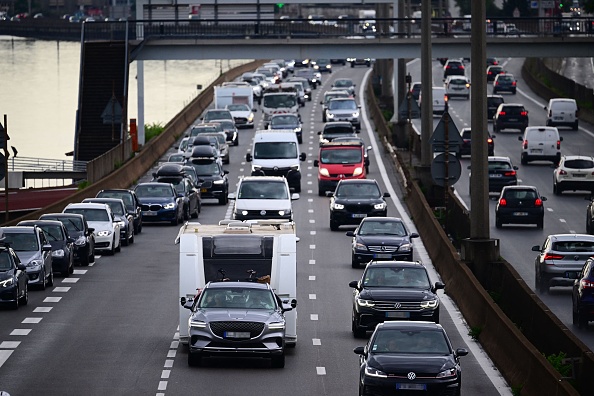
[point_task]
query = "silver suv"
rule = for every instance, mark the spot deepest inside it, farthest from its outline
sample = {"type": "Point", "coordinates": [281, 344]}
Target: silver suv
{"type": "Point", "coordinates": [263, 197]}
{"type": "Point", "coordinates": [237, 319]}
{"type": "Point", "coordinates": [343, 109]}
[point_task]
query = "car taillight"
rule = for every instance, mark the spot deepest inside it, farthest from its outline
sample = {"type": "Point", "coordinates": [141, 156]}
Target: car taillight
{"type": "Point", "coordinates": [448, 67]}
{"type": "Point", "coordinates": [558, 144]}
{"type": "Point", "coordinates": [466, 140]}
{"type": "Point", "coordinates": [461, 67]}
{"type": "Point", "coordinates": [538, 202]}
{"type": "Point", "coordinates": [510, 173]}
{"type": "Point", "coordinates": [489, 141]}
{"type": "Point", "coordinates": [551, 256]}
{"type": "Point", "coordinates": [496, 82]}
{"type": "Point", "coordinates": [586, 284]}
{"type": "Point", "coordinates": [489, 72]}
{"type": "Point", "coordinates": [502, 202]}
{"type": "Point", "coordinates": [525, 145]}
{"type": "Point", "coordinates": [524, 113]}
{"type": "Point", "coordinates": [562, 172]}
{"type": "Point", "coordinates": [502, 113]}
{"type": "Point", "coordinates": [513, 84]}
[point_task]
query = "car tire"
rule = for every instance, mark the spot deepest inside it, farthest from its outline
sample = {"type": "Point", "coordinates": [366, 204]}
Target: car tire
{"type": "Point", "coordinates": [71, 268]}
{"type": "Point", "coordinates": [25, 299]}
{"type": "Point", "coordinates": [119, 248]}
{"type": "Point", "coordinates": [125, 241]}
{"type": "Point", "coordinates": [236, 141]}
{"type": "Point", "coordinates": [91, 258]}
{"type": "Point", "coordinates": [196, 212]}
{"type": "Point", "coordinates": [15, 305]}
{"type": "Point", "coordinates": [278, 361]}
{"type": "Point", "coordinates": [138, 229]}
{"type": "Point", "coordinates": [556, 189]}
{"type": "Point", "coordinates": [43, 283]}
{"type": "Point", "coordinates": [524, 159]}
{"type": "Point", "coordinates": [194, 359]}
{"type": "Point", "coordinates": [498, 223]}
{"type": "Point", "coordinates": [495, 128]}
{"type": "Point", "coordinates": [542, 285]}
{"type": "Point", "coordinates": [300, 139]}
{"type": "Point", "coordinates": [354, 262]}
{"type": "Point", "coordinates": [223, 200]}
{"type": "Point", "coordinates": [50, 279]}
{"type": "Point", "coordinates": [132, 238]}
{"type": "Point", "coordinates": [111, 251]}
{"type": "Point", "coordinates": [175, 221]}
{"type": "Point", "coordinates": [334, 225]}
{"type": "Point", "coordinates": [435, 317]}
{"type": "Point", "coordinates": [540, 224]}
{"type": "Point", "coordinates": [575, 126]}
{"type": "Point", "coordinates": [321, 193]}
{"type": "Point", "coordinates": [357, 332]}
{"type": "Point", "coordinates": [324, 117]}
{"type": "Point", "coordinates": [66, 273]}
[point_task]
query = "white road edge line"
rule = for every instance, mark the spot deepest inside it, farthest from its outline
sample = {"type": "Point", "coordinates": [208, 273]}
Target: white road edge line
{"type": "Point", "coordinates": [475, 348]}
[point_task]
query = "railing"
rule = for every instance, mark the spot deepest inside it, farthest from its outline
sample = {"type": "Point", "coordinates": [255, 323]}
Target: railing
{"type": "Point", "coordinates": [28, 164]}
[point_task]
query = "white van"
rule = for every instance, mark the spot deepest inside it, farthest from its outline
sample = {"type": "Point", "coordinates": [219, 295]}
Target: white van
{"type": "Point", "coordinates": [562, 112]}
{"type": "Point", "coordinates": [439, 103]}
{"type": "Point", "coordinates": [541, 143]}
{"type": "Point", "coordinates": [275, 153]}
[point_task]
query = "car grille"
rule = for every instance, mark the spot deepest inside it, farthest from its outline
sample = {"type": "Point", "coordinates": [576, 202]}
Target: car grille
{"type": "Point", "coordinates": [267, 214]}
{"type": "Point", "coordinates": [102, 244]}
{"type": "Point", "coordinates": [153, 207]}
{"type": "Point", "coordinates": [206, 184]}
{"type": "Point", "coordinates": [275, 172]}
{"type": "Point", "coordinates": [404, 305]}
{"type": "Point", "coordinates": [340, 174]}
{"type": "Point", "coordinates": [240, 120]}
{"type": "Point", "coordinates": [383, 248]}
{"type": "Point", "coordinates": [359, 208]}
{"type": "Point", "coordinates": [219, 328]}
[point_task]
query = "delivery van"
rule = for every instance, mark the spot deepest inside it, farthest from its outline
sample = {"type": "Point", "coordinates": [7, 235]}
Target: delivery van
{"type": "Point", "coordinates": [541, 143]}
{"type": "Point", "coordinates": [562, 112]}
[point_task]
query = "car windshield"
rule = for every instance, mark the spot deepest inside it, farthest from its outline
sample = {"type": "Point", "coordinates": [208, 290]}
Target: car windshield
{"type": "Point", "coordinates": [414, 342]}
{"type": "Point", "coordinates": [205, 168]}
{"type": "Point", "coordinates": [284, 121]}
{"type": "Point", "coordinates": [339, 130]}
{"type": "Point", "coordinates": [236, 298]}
{"type": "Point", "coordinates": [53, 233]}
{"type": "Point", "coordinates": [341, 156]}
{"type": "Point", "coordinates": [5, 262]}
{"type": "Point", "coordinates": [90, 214]}
{"type": "Point", "coordinates": [238, 107]}
{"type": "Point", "coordinates": [343, 83]}
{"type": "Point", "coordinates": [376, 276]}
{"type": "Point", "coordinates": [22, 241]}
{"type": "Point", "coordinates": [144, 191]}
{"type": "Point", "coordinates": [382, 228]}
{"type": "Point", "coordinates": [204, 129]}
{"type": "Point", "coordinates": [499, 165]}
{"type": "Point", "coordinates": [227, 125]}
{"type": "Point", "coordinates": [126, 197]}
{"type": "Point", "coordinates": [579, 164]}
{"type": "Point", "coordinates": [275, 150]}
{"type": "Point", "coordinates": [277, 101]}
{"type": "Point", "coordinates": [116, 208]}
{"type": "Point", "coordinates": [342, 105]}
{"type": "Point", "coordinates": [218, 114]}
{"type": "Point", "coordinates": [72, 224]}
{"type": "Point", "coordinates": [260, 190]}
{"type": "Point", "coordinates": [176, 158]}
{"type": "Point", "coordinates": [358, 190]}
{"type": "Point", "coordinates": [573, 246]}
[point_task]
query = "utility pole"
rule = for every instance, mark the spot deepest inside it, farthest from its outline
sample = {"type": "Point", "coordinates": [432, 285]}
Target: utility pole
{"type": "Point", "coordinates": [4, 137]}
{"type": "Point", "coordinates": [426, 84]}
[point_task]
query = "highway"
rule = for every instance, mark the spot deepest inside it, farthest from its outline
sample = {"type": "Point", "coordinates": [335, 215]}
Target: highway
{"type": "Point", "coordinates": [564, 214]}
{"type": "Point", "coordinates": [112, 328]}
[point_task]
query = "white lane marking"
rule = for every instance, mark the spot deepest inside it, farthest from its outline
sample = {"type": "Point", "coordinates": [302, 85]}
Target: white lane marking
{"type": "Point", "coordinates": [316, 341]}
{"type": "Point", "coordinates": [310, 191]}
{"type": "Point", "coordinates": [309, 182]}
{"type": "Point", "coordinates": [165, 374]}
{"type": "Point", "coordinates": [312, 233]}
{"type": "Point", "coordinates": [20, 332]}
{"type": "Point", "coordinates": [309, 167]}
{"type": "Point", "coordinates": [176, 335]}
{"type": "Point", "coordinates": [312, 221]}
{"type": "Point", "coordinates": [313, 317]}
{"type": "Point", "coordinates": [312, 278]}
{"type": "Point", "coordinates": [31, 320]}
{"type": "Point", "coordinates": [4, 355]}
{"type": "Point", "coordinates": [562, 220]}
{"type": "Point", "coordinates": [61, 289]}
{"type": "Point", "coordinates": [309, 199]}
{"type": "Point", "coordinates": [310, 210]}
{"type": "Point", "coordinates": [52, 299]}
{"type": "Point", "coordinates": [240, 170]}
{"type": "Point", "coordinates": [312, 247]}
{"type": "Point", "coordinates": [171, 353]}
{"type": "Point", "coordinates": [309, 175]}
{"type": "Point", "coordinates": [321, 370]}
{"type": "Point", "coordinates": [461, 326]}
{"type": "Point", "coordinates": [174, 345]}
{"type": "Point", "coordinates": [79, 272]}
{"type": "Point", "coordinates": [550, 210]}
{"type": "Point", "coordinates": [312, 296]}
{"type": "Point", "coordinates": [312, 261]}
{"type": "Point", "coordinates": [42, 309]}
{"type": "Point", "coordinates": [70, 280]}
{"type": "Point", "coordinates": [168, 363]}
{"type": "Point", "coordinates": [92, 264]}
{"type": "Point", "coordinates": [9, 344]}
{"type": "Point", "coordinates": [162, 385]}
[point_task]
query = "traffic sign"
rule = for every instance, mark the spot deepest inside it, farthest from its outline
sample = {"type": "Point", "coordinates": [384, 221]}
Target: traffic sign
{"type": "Point", "coordinates": [2, 166]}
{"type": "Point", "coordinates": [438, 169]}
{"type": "Point", "coordinates": [438, 138]}
{"type": "Point", "coordinates": [534, 4]}
{"type": "Point", "coordinates": [415, 111]}
{"type": "Point", "coordinates": [112, 114]}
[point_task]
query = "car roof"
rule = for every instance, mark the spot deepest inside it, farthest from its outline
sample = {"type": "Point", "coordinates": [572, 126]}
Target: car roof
{"type": "Point", "coordinates": [382, 219]}
{"type": "Point", "coordinates": [40, 222]}
{"type": "Point", "coordinates": [409, 325]}
{"type": "Point", "coordinates": [154, 184]}
{"type": "Point", "coordinates": [263, 178]}
{"type": "Point", "coordinates": [330, 124]}
{"type": "Point", "coordinates": [103, 200]}
{"type": "Point", "coordinates": [117, 190]}
{"type": "Point", "coordinates": [62, 215]}
{"type": "Point", "coordinates": [15, 229]}
{"type": "Point", "coordinates": [512, 105]}
{"type": "Point", "coordinates": [395, 263]}
{"type": "Point", "coordinates": [358, 181]}
{"type": "Point", "coordinates": [575, 157]}
{"type": "Point", "coordinates": [81, 205]}
{"type": "Point", "coordinates": [519, 187]}
{"type": "Point", "coordinates": [498, 158]}
{"type": "Point", "coordinates": [571, 237]}
{"type": "Point", "coordinates": [232, 284]}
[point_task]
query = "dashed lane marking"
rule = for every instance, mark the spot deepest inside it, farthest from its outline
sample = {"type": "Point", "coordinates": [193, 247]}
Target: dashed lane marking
{"type": "Point", "coordinates": [42, 309]}
{"type": "Point", "coordinates": [9, 344]}
{"type": "Point", "coordinates": [79, 272]}
{"type": "Point", "coordinates": [321, 370]}
{"type": "Point", "coordinates": [312, 247]}
{"type": "Point", "coordinates": [165, 374]}
{"type": "Point", "coordinates": [70, 280]}
{"type": "Point", "coordinates": [312, 278]}
{"type": "Point", "coordinates": [312, 221]}
{"type": "Point", "coordinates": [312, 297]}
{"type": "Point", "coordinates": [316, 341]}
{"type": "Point", "coordinates": [313, 317]}
{"type": "Point", "coordinates": [312, 261]}
{"type": "Point", "coordinates": [20, 332]}
{"type": "Point", "coordinates": [312, 233]}
{"type": "Point", "coordinates": [31, 320]}
{"type": "Point", "coordinates": [4, 355]}
{"type": "Point", "coordinates": [61, 289]}
{"type": "Point", "coordinates": [52, 299]}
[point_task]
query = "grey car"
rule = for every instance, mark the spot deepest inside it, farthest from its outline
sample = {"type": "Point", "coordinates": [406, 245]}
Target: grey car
{"type": "Point", "coordinates": [237, 319]}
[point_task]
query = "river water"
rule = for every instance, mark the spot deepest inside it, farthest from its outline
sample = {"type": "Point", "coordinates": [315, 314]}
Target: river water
{"type": "Point", "coordinates": [39, 92]}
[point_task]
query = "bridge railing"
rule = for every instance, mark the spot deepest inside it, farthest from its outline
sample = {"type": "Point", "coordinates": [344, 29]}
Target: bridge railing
{"type": "Point", "coordinates": [29, 164]}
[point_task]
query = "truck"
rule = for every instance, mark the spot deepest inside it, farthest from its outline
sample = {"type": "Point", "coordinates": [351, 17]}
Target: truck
{"type": "Point", "coordinates": [278, 100]}
{"type": "Point", "coordinates": [233, 93]}
{"type": "Point", "coordinates": [262, 251]}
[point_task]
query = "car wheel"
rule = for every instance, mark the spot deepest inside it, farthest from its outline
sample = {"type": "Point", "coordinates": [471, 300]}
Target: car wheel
{"type": "Point", "coordinates": [357, 332]}
{"type": "Point", "coordinates": [24, 300]}
{"type": "Point", "coordinates": [324, 117]}
{"type": "Point", "coordinates": [541, 284]}
{"type": "Point", "coordinates": [223, 200]}
{"type": "Point", "coordinates": [548, 123]}
{"type": "Point", "coordinates": [575, 126]}
{"type": "Point", "coordinates": [196, 212]}
{"type": "Point", "coordinates": [540, 224]}
{"type": "Point", "coordinates": [524, 159]}
{"type": "Point", "coordinates": [300, 139]}
{"type": "Point", "coordinates": [119, 248]}
{"type": "Point", "coordinates": [556, 189]}
{"type": "Point", "coordinates": [495, 129]}
{"type": "Point", "coordinates": [125, 241]}
{"type": "Point", "coordinates": [354, 262]}
{"type": "Point", "coordinates": [435, 317]}
{"type": "Point", "coordinates": [498, 223]}
{"type": "Point", "coordinates": [236, 142]}
{"type": "Point", "coordinates": [132, 238]}
{"type": "Point", "coordinates": [66, 273]}
{"type": "Point", "coordinates": [91, 258]}
{"type": "Point", "coordinates": [50, 279]}
{"type": "Point", "coordinates": [15, 305]}
{"type": "Point", "coordinates": [43, 283]}
{"type": "Point", "coordinates": [194, 359]}
{"type": "Point", "coordinates": [278, 361]}
{"type": "Point", "coordinates": [321, 193]}
{"type": "Point", "coordinates": [71, 268]}
{"type": "Point", "coordinates": [352, 64]}
{"type": "Point", "coordinates": [333, 225]}
{"type": "Point", "coordinates": [111, 251]}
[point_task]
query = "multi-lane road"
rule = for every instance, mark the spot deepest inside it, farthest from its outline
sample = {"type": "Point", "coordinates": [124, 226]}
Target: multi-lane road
{"type": "Point", "coordinates": [112, 327]}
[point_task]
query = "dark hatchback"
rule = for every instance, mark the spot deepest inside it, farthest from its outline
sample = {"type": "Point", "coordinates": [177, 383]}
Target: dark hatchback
{"type": "Point", "coordinates": [520, 205]}
{"type": "Point", "coordinates": [84, 239]}
{"type": "Point", "coordinates": [215, 184]}
{"type": "Point", "coordinates": [334, 129]}
{"type": "Point", "coordinates": [493, 102]}
{"type": "Point", "coordinates": [504, 82]}
{"type": "Point", "coordinates": [14, 288]}
{"type": "Point", "coordinates": [465, 148]}
{"type": "Point", "coordinates": [409, 358]}
{"type": "Point", "coordinates": [355, 199]}
{"type": "Point", "coordinates": [393, 290]}
{"type": "Point", "coordinates": [130, 200]}
{"type": "Point", "coordinates": [62, 244]}
{"type": "Point", "coordinates": [582, 296]}
{"type": "Point", "coordinates": [501, 173]}
{"type": "Point", "coordinates": [493, 71]}
{"type": "Point", "coordinates": [381, 238]}
{"type": "Point", "coordinates": [510, 116]}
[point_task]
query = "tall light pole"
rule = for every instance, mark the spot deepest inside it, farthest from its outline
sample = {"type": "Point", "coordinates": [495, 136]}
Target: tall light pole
{"type": "Point", "coordinates": [426, 84]}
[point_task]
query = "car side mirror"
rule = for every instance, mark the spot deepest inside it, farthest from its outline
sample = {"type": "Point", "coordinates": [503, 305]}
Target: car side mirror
{"type": "Point", "coordinates": [468, 167]}
{"type": "Point", "coordinates": [354, 284]}
{"type": "Point", "coordinates": [543, 198]}
{"type": "Point", "coordinates": [294, 196]}
{"type": "Point", "coordinates": [521, 138]}
{"type": "Point", "coordinates": [414, 235]}
{"type": "Point", "coordinates": [225, 172]}
{"type": "Point", "coordinates": [248, 157]}
{"type": "Point", "coordinates": [321, 102]}
{"type": "Point", "coordinates": [231, 196]}
{"type": "Point", "coordinates": [461, 352]}
{"type": "Point", "coordinates": [302, 157]}
{"type": "Point", "coordinates": [186, 303]}
{"type": "Point", "coordinates": [536, 248]}
{"type": "Point", "coordinates": [368, 148]}
{"type": "Point", "coordinates": [293, 303]}
{"type": "Point", "coordinates": [359, 350]}
{"type": "Point", "coordinates": [21, 267]}
{"type": "Point", "coordinates": [515, 167]}
{"type": "Point", "coordinates": [544, 107]}
{"type": "Point", "coordinates": [350, 233]}
{"type": "Point", "coordinates": [357, 131]}
{"type": "Point", "coordinates": [316, 163]}
{"type": "Point", "coordinates": [255, 110]}
{"type": "Point", "coordinates": [46, 248]}
{"type": "Point", "coordinates": [386, 195]}
{"type": "Point", "coordinates": [438, 285]}
{"type": "Point", "coordinates": [91, 230]}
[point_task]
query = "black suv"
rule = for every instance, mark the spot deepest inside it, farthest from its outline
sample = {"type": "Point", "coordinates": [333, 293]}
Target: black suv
{"type": "Point", "coordinates": [493, 102]}
{"type": "Point", "coordinates": [14, 288]}
{"type": "Point", "coordinates": [215, 182]}
{"type": "Point", "coordinates": [237, 319]}
{"type": "Point", "coordinates": [131, 201]}
{"type": "Point", "coordinates": [335, 129]}
{"type": "Point", "coordinates": [465, 148]}
{"type": "Point", "coordinates": [493, 71]}
{"type": "Point", "coordinates": [510, 116]}
{"type": "Point", "coordinates": [453, 68]}
{"type": "Point", "coordinates": [354, 200]}
{"type": "Point", "coordinates": [84, 239]}
{"type": "Point", "coordinates": [184, 186]}
{"type": "Point", "coordinates": [520, 205]}
{"type": "Point", "coordinates": [504, 82]}
{"type": "Point", "coordinates": [381, 238]}
{"type": "Point", "coordinates": [393, 290]}
{"type": "Point", "coordinates": [582, 296]}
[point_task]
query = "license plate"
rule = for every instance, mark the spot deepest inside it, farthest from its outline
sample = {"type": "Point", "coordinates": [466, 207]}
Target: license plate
{"type": "Point", "coordinates": [520, 213]}
{"type": "Point", "coordinates": [400, 315]}
{"type": "Point", "coordinates": [495, 175]}
{"type": "Point", "coordinates": [513, 120]}
{"type": "Point", "coordinates": [571, 274]}
{"type": "Point", "coordinates": [411, 386]}
{"type": "Point", "coordinates": [149, 213]}
{"type": "Point", "coordinates": [237, 334]}
{"type": "Point", "coordinates": [557, 118]}
{"type": "Point", "coordinates": [203, 190]}
{"type": "Point", "coordinates": [382, 255]}
{"type": "Point", "coordinates": [359, 215]}
{"type": "Point", "coordinates": [579, 175]}
{"type": "Point", "coordinates": [536, 151]}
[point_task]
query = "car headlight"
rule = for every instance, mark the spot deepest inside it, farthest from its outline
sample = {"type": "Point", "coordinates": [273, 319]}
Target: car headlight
{"type": "Point", "coordinates": [250, 119]}
{"type": "Point", "coordinates": [34, 263]}
{"type": "Point", "coordinates": [360, 246]}
{"type": "Point", "coordinates": [447, 373]}
{"type": "Point", "coordinates": [7, 282]}
{"type": "Point", "coordinates": [297, 130]}
{"type": "Point", "coordinates": [357, 171]}
{"type": "Point", "coordinates": [122, 224]}
{"type": "Point", "coordinates": [169, 205]}
{"type": "Point", "coordinates": [198, 324]}
{"type": "Point", "coordinates": [276, 326]}
{"type": "Point", "coordinates": [373, 372]}
{"type": "Point", "coordinates": [295, 167]}
{"type": "Point", "coordinates": [330, 115]}
{"type": "Point", "coordinates": [218, 182]}
{"type": "Point", "coordinates": [244, 212]}
{"type": "Point", "coordinates": [284, 212]}
{"type": "Point", "coordinates": [356, 114]}
{"type": "Point", "coordinates": [380, 206]}
{"type": "Point", "coordinates": [324, 172]}
{"type": "Point", "coordinates": [429, 304]}
{"type": "Point", "coordinates": [365, 303]}
{"type": "Point", "coordinates": [256, 167]}
{"type": "Point", "coordinates": [80, 241]}
{"type": "Point", "coordinates": [103, 233]}
{"type": "Point", "coordinates": [337, 206]}
{"type": "Point", "coordinates": [405, 247]}
{"type": "Point", "coordinates": [58, 253]}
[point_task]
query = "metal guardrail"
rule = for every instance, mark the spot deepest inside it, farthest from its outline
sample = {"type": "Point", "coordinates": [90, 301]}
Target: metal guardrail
{"type": "Point", "coordinates": [28, 164]}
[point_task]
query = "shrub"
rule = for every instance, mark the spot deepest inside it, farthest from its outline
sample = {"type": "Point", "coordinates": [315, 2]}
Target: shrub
{"type": "Point", "coordinates": [152, 130]}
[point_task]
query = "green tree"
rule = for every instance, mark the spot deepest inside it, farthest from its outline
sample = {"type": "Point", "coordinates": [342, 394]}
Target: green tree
{"type": "Point", "coordinates": [465, 7]}
{"type": "Point", "coordinates": [588, 5]}
{"type": "Point", "coordinates": [510, 5]}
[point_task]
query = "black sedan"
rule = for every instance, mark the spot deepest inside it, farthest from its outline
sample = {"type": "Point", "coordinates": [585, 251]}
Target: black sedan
{"type": "Point", "coordinates": [14, 289]}
{"type": "Point", "coordinates": [215, 182]}
{"type": "Point", "coordinates": [130, 200]}
{"type": "Point", "coordinates": [354, 200]}
{"type": "Point", "coordinates": [381, 238]}
{"type": "Point", "coordinates": [393, 290]}
{"type": "Point", "coordinates": [62, 244]}
{"type": "Point", "coordinates": [84, 239]}
{"type": "Point", "coordinates": [407, 358]}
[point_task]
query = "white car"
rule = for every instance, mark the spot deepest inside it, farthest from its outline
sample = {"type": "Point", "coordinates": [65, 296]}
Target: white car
{"type": "Point", "coordinates": [263, 197]}
{"type": "Point", "coordinates": [457, 86]}
{"type": "Point", "coordinates": [242, 114]}
{"type": "Point", "coordinates": [183, 145]}
{"type": "Point", "coordinates": [575, 172]}
{"type": "Point", "coordinates": [106, 227]}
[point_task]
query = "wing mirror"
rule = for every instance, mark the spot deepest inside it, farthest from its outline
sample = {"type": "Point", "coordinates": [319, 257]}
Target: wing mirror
{"type": "Point", "coordinates": [302, 157]}
{"type": "Point", "coordinates": [248, 157]}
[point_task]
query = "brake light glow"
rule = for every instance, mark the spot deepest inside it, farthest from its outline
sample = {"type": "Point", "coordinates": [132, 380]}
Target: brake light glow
{"type": "Point", "coordinates": [524, 113]}
{"type": "Point", "coordinates": [489, 72]}
{"type": "Point", "coordinates": [551, 256]}
{"type": "Point", "coordinates": [562, 172]}
{"type": "Point", "coordinates": [510, 173]}
{"type": "Point", "coordinates": [525, 145]}
{"type": "Point", "coordinates": [502, 202]}
{"type": "Point", "coordinates": [513, 84]}
{"type": "Point", "coordinates": [586, 284]}
{"type": "Point", "coordinates": [502, 113]}
{"type": "Point", "coordinates": [489, 141]}
{"type": "Point", "coordinates": [538, 202]}
{"type": "Point", "coordinates": [558, 144]}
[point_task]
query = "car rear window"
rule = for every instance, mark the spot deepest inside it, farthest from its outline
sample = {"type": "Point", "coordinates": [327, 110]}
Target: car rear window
{"type": "Point", "coordinates": [505, 78]}
{"type": "Point", "coordinates": [499, 165]}
{"type": "Point", "coordinates": [520, 194]}
{"type": "Point", "coordinates": [514, 110]}
{"type": "Point", "coordinates": [573, 246]}
{"type": "Point", "coordinates": [458, 81]}
{"type": "Point", "coordinates": [494, 101]}
{"type": "Point", "coordinates": [579, 164]}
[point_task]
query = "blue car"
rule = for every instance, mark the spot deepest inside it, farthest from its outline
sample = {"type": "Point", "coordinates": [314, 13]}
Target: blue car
{"type": "Point", "coordinates": [160, 202]}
